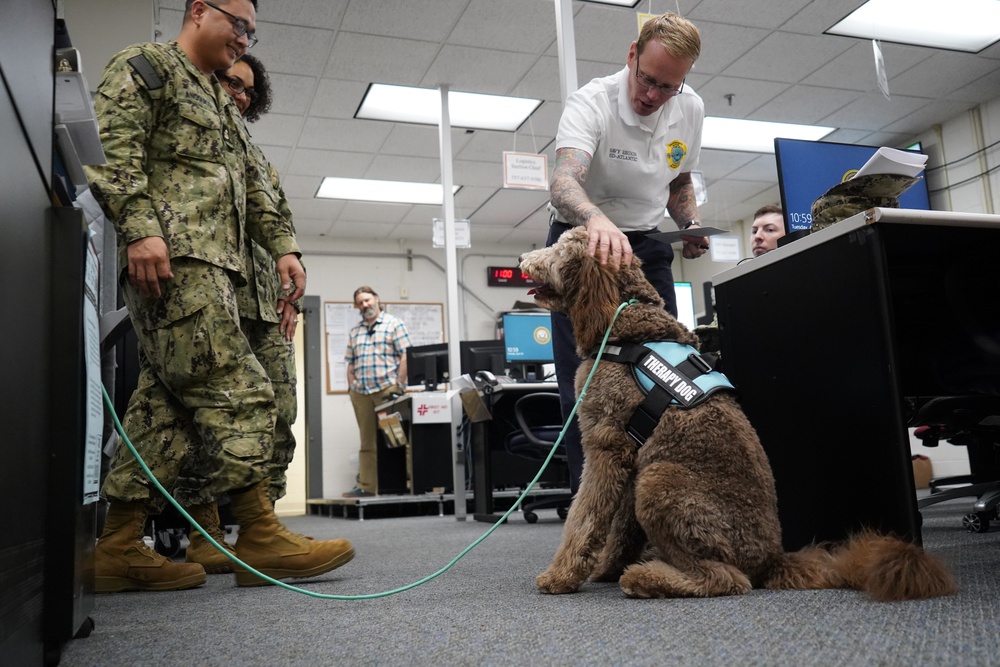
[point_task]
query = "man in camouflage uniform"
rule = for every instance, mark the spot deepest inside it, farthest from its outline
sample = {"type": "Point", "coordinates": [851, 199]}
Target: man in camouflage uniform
{"type": "Point", "coordinates": [181, 195]}
{"type": "Point", "coordinates": [269, 333]}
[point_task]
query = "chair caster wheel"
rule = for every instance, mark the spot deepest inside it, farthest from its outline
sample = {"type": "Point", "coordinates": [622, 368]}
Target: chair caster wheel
{"type": "Point", "coordinates": [168, 543]}
{"type": "Point", "coordinates": [562, 512]}
{"type": "Point", "coordinates": [530, 517]}
{"type": "Point", "coordinates": [977, 522]}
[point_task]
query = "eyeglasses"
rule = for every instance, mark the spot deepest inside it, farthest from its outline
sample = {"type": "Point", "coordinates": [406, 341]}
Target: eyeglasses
{"type": "Point", "coordinates": [237, 86]}
{"type": "Point", "coordinates": [646, 82]}
{"type": "Point", "coordinates": [240, 26]}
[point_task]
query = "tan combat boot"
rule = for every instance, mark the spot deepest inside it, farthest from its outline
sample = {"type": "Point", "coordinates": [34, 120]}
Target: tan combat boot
{"type": "Point", "coordinates": [202, 551]}
{"type": "Point", "coordinates": [265, 544]}
{"type": "Point", "coordinates": [123, 562]}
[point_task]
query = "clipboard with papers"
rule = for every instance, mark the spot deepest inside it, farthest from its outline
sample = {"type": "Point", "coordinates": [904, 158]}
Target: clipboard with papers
{"type": "Point", "coordinates": [671, 237]}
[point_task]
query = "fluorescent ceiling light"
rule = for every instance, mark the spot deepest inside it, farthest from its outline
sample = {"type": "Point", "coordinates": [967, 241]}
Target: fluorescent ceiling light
{"type": "Point", "coordinates": [405, 104]}
{"type": "Point", "coordinates": [754, 136]}
{"type": "Point", "coordinates": [397, 192]}
{"type": "Point", "coordinates": [959, 25]}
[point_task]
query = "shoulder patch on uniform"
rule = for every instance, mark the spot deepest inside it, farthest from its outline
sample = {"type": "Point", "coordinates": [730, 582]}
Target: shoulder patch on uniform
{"type": "Point", "coordinates": [144, 69]}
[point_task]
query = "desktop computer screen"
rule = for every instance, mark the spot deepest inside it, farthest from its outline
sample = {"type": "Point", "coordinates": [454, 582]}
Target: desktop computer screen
{"type": "Point", "coordinates": [482, 355]}
{"type": "Point", "coordinates": [807, 169]}
{"type": "Point", "coordinates": [527, 338]}
{"type": "Point", "coordinates": [427, 365]}
{"type": "Point", "coordinates": [685, 304]}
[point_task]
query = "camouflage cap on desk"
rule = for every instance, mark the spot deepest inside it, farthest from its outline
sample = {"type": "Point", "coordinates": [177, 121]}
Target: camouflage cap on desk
{"type": "Point", "coordinates": [859, 194]}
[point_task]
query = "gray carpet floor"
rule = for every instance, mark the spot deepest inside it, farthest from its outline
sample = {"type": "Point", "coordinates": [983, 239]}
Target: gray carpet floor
{"type": "Point", "coordinates": [486, 611]}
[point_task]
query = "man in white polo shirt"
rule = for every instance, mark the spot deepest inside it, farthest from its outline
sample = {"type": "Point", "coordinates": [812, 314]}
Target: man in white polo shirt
{"type": "Point", "coordinates": [625, 149]}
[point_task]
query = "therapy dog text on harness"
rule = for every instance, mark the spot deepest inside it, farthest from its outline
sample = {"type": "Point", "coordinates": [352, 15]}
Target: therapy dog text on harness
{"type": "Point", "coordinates": [668, 373]}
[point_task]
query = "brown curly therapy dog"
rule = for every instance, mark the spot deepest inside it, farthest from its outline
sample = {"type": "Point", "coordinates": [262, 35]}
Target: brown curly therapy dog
{"type": "Point", "coordinates": [693, 511]}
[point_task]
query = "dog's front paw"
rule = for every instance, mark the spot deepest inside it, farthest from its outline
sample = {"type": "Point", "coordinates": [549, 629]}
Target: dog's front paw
{"type": "Point", "coordinates": [556, 582]}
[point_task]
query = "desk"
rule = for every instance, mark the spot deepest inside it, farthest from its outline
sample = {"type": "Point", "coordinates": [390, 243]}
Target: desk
{"type": "Point", "coordinates": [426, 460]}
{"type": "Point", "coordinates": [826, 339]}
{"type": "Point", "coordinates": [492, 466]}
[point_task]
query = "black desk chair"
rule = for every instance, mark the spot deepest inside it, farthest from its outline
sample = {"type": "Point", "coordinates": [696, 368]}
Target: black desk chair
{"type": "Point", "coordinates": [534, 440]}
{"type": "Point", "coordinates": [974, 422]}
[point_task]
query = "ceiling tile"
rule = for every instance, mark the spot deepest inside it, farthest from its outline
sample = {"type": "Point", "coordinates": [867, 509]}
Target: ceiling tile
{"type": "Point", "coordinates": [854, 69]}
{"type": "Point", "coordinates": [873, 112]}
{"type": "Point", "coordinates": [290, 93]}
{"type": "Point", "coordinates": [277, 129]}
{"type": "Point", "coordinates": [305, 227]}
{"type": "Point", "coordinates": [377, 59]}
{"type": "Point", "coordinates": [487, 24]}
{"type": "Point", "coordinates": [367, 211]}
{"type": "Point", "coordinates": [475, 70]}
{"type": "Point", "coordinates": [787, 57]}
{"type": "Point", "coordinates": [429, 20]}
{"type": "Point", "coordinates": [307, 13]}
{"type": "Point", "coordinates": [940, 75]}
{"type": "Point", "coordinates": [337, 99]}
{"type": "Point", "coordinates": [346, 135]}
{"type": "Point", "coordinates": [747, 96]}
{"type": "Point", "coordinates": [293, 49]}
{"type": "Point", "coordinates": [723, 44]}
{"type": "Point", "coordinates": [316, 209]}
{"type": "Point", "coordinates": [321, 163]}
{"type": "Point", "coordinates": [508, 207]}
{"type": "Point", "coordinates": [422, 140]}
{"type": "Point", "coordinates": [749, 13]}
{"type": "Point", "coordinates": [399, 168]}
{"type": "Point", "coordinates": [804, 104]}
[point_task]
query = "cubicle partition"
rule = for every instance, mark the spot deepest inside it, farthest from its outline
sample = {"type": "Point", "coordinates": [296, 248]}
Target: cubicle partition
{"type": "Point", "coordinates": [831, 340]}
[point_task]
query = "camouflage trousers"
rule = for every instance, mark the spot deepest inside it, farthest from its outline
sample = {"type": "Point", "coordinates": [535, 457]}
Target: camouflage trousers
{"type": "Point", "coordinates": [198, 483]}
{"type": "Point", "coordinates": [201, 390]}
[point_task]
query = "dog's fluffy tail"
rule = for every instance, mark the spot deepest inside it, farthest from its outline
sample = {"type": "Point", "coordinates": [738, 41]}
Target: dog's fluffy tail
{"type": "Point", "coordinates": [886, 568]}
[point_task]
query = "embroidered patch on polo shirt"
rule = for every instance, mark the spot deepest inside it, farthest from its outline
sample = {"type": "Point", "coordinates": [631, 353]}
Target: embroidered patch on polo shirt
{"type": "Point", "coordinates": [676, 151]}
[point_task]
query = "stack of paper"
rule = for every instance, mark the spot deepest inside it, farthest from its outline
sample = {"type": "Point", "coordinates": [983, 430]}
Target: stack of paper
{"type": "Point", "coordinates": [893, 161]}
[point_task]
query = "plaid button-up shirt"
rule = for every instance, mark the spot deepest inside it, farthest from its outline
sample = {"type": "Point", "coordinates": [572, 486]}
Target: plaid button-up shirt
{"type": "Point", "coordinates": [375, 350]}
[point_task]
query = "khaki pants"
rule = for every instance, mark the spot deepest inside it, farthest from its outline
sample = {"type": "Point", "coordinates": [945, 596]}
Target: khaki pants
{"type": "Point", "coordinates": [364, 411]}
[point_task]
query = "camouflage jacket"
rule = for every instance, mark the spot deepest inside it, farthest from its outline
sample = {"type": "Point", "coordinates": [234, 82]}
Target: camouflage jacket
{"type": "Point", "coordinates": [258, 299]}
{"type": "Point", "coordinates": [178, 164]}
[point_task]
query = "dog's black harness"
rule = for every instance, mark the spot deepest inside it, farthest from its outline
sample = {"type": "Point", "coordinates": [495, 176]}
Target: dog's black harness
{"type": "Point", "coordinates": [669, 374]}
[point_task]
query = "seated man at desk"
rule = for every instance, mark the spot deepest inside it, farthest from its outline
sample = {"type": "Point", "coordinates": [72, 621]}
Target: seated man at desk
{"type": "Point", "coordinates": [376, 369]}
{"type": "Point", "coordinates": [768, 227]}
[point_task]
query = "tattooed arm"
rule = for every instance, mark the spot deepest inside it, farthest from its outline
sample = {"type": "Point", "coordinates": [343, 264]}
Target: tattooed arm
{"type": "Point", "coordinates": [682, 209]}
{"type": "Point", "coordinates": [572, 202]}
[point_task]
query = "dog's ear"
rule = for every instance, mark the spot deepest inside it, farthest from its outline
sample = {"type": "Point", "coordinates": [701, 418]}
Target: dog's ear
{"type": "Point", "coordinates": [593, 309]}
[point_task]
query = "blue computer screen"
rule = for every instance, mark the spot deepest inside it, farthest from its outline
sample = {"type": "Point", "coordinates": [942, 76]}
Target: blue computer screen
{"type": "Point", "coordinates": [527, 337]}
{"type": "Point", "coordinates": [807, 169]}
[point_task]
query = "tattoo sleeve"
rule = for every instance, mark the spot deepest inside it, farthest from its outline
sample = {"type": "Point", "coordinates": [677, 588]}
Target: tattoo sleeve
{"type": "Point", "coordinates": [681, 204]}
{"type": "Point", "coordinates": [568, 195]}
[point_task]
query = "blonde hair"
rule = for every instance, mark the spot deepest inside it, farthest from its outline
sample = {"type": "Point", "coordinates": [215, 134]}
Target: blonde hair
{"type": "Point", "coordinates": [678, 36]}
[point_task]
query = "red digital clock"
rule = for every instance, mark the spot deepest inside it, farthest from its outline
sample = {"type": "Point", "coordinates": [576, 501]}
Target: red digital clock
{"type": "Point", "coordinates": [508, 276]}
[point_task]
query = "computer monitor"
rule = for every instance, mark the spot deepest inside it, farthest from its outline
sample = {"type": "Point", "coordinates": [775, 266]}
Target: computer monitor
{"type": "Point", "coordinates": [427, 365]}
{"type": "Point", "coordinates": [482, 355]}
{"type": "Point", "coordinates": [527, 337]}
{"type": "Point", "coordinates": [685, 304]}
{"type": "Point", "coordinates": [807, 169]}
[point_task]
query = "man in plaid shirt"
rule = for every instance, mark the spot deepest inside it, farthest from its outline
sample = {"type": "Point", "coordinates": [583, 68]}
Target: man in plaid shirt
{"type": "Point", "coordinates": [376, 369]}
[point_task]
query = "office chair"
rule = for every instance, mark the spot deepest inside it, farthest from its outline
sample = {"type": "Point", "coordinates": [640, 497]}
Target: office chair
{"type": "Point", "coordinates": [534, 440]}
{"type": "Point", "coordinates": [973, 422]}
